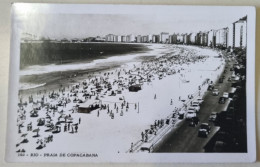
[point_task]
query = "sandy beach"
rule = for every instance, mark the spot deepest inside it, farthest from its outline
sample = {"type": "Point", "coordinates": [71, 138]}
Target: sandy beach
{"type": "Point", "coordinates": [166, 81]}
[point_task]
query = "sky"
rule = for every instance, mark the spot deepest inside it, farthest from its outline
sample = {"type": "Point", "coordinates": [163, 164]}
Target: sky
{"type": "Point", "coordinates": [81, 21]}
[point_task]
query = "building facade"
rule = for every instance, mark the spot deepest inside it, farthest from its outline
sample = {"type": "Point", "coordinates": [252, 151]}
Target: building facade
{"type": "Point", "coordinates": [221, 37]}
{"type": "Point", "coordinates": [130, 38]}
{"type": "Point", "coordinates": [240, 33]}
{"type": "Point", "coordinates": [212, 38]}
{"type": "Point", "coordinates": [110, 38]}
{"type": "Point", "coordinates": [156, 38]}
{"type": "Point", "coordinates": [193, 38]}
{"type": "Point", "coordinates": [164, 37]}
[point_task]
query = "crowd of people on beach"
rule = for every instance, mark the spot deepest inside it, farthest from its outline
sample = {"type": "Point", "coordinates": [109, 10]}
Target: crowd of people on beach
{"type": "Point", "coordinates": [49, 112]}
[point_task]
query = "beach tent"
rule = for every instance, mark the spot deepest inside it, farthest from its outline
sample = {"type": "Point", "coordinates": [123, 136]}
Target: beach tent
{"type": "Point", "coordinates": [36, 106]}
{"type": "Point", "coordinates": [134, 88]}
{"type": "Point", "coordinates": [88, 107]}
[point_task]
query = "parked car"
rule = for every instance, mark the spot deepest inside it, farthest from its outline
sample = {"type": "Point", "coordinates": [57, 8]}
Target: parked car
{"type": "Point", "coordinates": [196, 102]}
{"type": "Point", "coordinates": [213, 116]}
{"type": "Point", "coordinates": [190, 114]}
{"type": "Point", "coordinates": [204, 130]}
{"type": "Point", "coordinates": [195, 107]}
{"type": "Point", "coordinates": [194, 121]}
{"type": "Point", "coordinates": [147, 147]}
{"type": "Point", "coordinates": [219, 146]}
{"type": "Point", "coordinates": [225, 95]}
{"type": "Point", "coordinates": [222, 100]}
{"type": "Point", "coordinates": [181, 114]}
{"type": "Point", "coordinates": [215, 92]}
{"type": "Point", "coordinates": [210, 87]}
{"type": "Point", "coordinates": [200, 100]}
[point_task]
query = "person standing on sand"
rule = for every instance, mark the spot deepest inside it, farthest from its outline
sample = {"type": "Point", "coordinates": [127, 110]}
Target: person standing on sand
{"type": "Point", "coordinates": [68, 126]}
{"type": "Point", "coordinates": [171, 101]}
{"type": "Point", "coordinates": [146, 137]}
{"type": "Point", "coordinates": [132, 146]}
{"type": "Point", "coordinates": [65, 127]}
{"type": "Point", "coordinates": [79, 120]}
{"type": "Point", "coordinates": [154, 96]}
{"type": "Point", "coordinates": [142, 134]}
{"type": "Point", "coordinates": [76, 128]}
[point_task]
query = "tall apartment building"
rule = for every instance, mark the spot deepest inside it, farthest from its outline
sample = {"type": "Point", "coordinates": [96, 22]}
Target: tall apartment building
{"type": "Point", "coordinates": [123, 38]}
{"type": "Point", "coordinates": [156, 38]}
{"type": "Point", "coordinates": [180, 38]}
{"type": "Point", "coordinates": [186, 38]}
{"type": "Point", "coordinates": [139, 39]}
{"type": "Point", "coordinates": [240, 33]}
{"type": "Point", "coordinates": [130, 38]}
{"type": "Point", "coordinates": [119, 39]}
{"type": "Point", "coordinates": [150, 38]}
{"type": "Point", "coordinates": [110, 38]}
{"type": "Point", "coordinates": [198, 38]}
{"type": "Point", "coordinates": [145, 39]}
{"type": "Point", "coordinates": [164, 37]}
{"type": "Point", "coordinates": [193, 38]}
{"type": "Point", "coordinates": [204, 38]}
{"type": "Point", "coordinates": [230, 35]}
{"type": "Point", "coordinates": [174, 38]}
{"type": "Point", "coordinates": [221, 37]}
{"type": "Point", "coordinates": [212, 38]}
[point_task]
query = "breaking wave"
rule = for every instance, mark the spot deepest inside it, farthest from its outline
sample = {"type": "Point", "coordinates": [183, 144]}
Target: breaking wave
{"type": "Point", "coordinates": [26, 86]}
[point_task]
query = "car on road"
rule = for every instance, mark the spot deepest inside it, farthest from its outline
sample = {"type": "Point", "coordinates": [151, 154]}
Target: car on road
{"type": "Point", "coordinates": [210, 87]}
{"type": "Point", "coordinates": [181, 114]}
{"type": "Point", "coordinates": [225, 95]}
{"type": "Point", "coordinates": [219, 146]}
{"type": "Point", "coordinates": [200, 100]}
{"type": "Point", "coordinates": [195, 102]}
{"type": "Point", "coordinates": [213, 116]}
{"type": "Point", "coordinates": [215, 92]}
{"type": "Point", "coordinates": [204, 130]}
{"type": "Point", "coordinates": [190, 114]}
{"type": "Point", "coordinates": [194, 121]}
{"type": "Point", "coordinates": [147, 147]}
{"type": "Point", "coordinates": [195, 107]}
{"type": "Point", "coordinates": [222, 100]}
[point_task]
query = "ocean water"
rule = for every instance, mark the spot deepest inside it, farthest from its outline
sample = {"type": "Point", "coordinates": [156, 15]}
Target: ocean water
{"type": "Point", "coordinates": [69, 71]}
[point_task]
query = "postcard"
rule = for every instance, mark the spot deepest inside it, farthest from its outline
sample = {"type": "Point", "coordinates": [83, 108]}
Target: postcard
{"type": "Point", "coordinates": [131, 83]}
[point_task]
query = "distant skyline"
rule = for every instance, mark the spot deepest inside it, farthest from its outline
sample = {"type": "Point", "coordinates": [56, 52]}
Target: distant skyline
{"type": "Point", "coordinates": [81, 21]}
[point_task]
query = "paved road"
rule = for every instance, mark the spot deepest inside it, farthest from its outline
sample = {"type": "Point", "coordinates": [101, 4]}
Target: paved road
{"type": "Point", "coordinates": [185, 138]}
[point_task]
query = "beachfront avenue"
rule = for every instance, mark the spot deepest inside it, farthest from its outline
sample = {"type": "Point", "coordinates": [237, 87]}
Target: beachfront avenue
{"type": "Point", "coordinates": [228, 130]}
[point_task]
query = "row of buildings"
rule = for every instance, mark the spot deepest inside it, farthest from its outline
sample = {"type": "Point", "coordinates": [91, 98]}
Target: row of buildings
{"type": "Point", "coordinates": [235, 35]}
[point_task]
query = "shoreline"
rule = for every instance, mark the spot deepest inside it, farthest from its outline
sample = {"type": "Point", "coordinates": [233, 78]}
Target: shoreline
{"type": "Point", "coordinates": [73, 71]}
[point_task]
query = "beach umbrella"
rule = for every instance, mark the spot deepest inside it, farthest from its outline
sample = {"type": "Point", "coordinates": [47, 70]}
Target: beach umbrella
{"type": "Point", "coordinates": [37, 131]}
{"type": "Point", "coordinates": [70, 118]}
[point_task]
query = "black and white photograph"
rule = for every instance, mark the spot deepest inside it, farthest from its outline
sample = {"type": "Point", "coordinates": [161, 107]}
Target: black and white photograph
{"type": "Point", "coordinates": [131, 83]}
